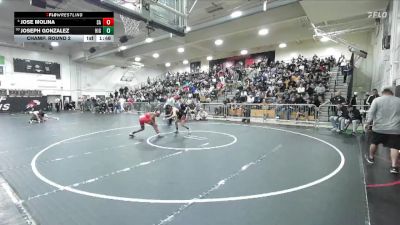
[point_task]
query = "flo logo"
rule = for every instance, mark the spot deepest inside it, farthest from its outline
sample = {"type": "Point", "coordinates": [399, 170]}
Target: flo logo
{"type": "Point", "coordinates": [377, 14]}
{"type": "Point", "coordinates": [4, 106]}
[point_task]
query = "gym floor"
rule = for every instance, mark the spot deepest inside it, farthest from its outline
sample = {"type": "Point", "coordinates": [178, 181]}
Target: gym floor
{"type": "Point", "coordinates": [84, 169]}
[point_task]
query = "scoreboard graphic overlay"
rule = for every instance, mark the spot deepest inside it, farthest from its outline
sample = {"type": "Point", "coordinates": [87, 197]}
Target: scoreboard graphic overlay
{"type": "Point", "coordinates": [64, 26]}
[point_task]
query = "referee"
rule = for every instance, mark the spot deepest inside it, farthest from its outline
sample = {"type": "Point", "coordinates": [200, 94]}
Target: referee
{"type": "Point", "coordinates": [384, 115]}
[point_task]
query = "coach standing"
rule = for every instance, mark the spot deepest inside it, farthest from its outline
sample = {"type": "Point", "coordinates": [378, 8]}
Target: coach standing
{"type": "Point", "coordinates": [384, 115]}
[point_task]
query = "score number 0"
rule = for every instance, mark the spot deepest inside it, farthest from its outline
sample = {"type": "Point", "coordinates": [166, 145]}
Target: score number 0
{"type": "Point", "coordinates": [108, 22]}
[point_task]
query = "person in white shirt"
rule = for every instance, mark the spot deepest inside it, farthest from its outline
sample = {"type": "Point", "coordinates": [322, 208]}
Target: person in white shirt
{"type": "Point", "coordinates": [384, 116]}
{"type": "Point", "coordinates": [250, 99]}
{"type": "Point", "coordinates": [121, 103]}
{"type": "Point", "coordinates": [320, 89]}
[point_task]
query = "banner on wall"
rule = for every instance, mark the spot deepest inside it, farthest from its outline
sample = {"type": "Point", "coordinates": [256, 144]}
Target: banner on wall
{"type": "Point", "coordinates": [242, 61]}
{"type": "Point", "coordinates": [22, 104]}
{"type": "Point", "coordinates": [33, 66]}
{"type": "Point", "coordinates": [2, 63]}
{"type": "Point", "coordinates": [195, 67]}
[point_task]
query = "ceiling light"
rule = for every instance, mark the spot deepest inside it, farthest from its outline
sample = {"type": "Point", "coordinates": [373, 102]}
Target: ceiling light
{"type": "Point", "coordinates": [282, 45]}
{"type": "Point", "coordinates": [209, 58]}
{"type": "Point", "coordinates": [181, 50]}
{"type": "Point", "coordinates": [325, 39]}
{"type": "Point", "coordinates": [156, 55]}
{"type": "Point", "coordinates": [167, 64]}
{"type": "Point", "coordinates": [236, 14]}
{"type": "Point", "coordinates": [149, 40]}
{"type": "Point", "coordinates": [244, 52]}
{"type": "Point", "coordinates": [265, 6]}
{"type": "Point", "coordinates": [138, 59]}
{"type": "Point", "coordinates": [122, 48]}
{"type": "Point", "coordinates": [185, 62]}
{"type": "Point", "coordinates": [218, 42]}
{"type": "Point", "coordinates": [53, 44]}
{"type": "Point", "coordinates": [188, 29]}
{"type": "Point", "coordinates": [263, 32]}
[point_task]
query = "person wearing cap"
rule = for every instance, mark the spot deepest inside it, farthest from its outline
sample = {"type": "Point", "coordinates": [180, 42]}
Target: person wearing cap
{"type": "Point", "coordinates": [384, 116]}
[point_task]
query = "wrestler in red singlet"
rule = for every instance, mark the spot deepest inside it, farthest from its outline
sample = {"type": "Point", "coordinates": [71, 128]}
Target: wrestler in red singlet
{"type": "Point", "coordinates": [147, 118]}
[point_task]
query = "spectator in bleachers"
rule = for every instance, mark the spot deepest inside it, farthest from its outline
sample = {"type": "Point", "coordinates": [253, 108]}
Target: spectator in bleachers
{"type": "Point", "coordinates": [354, 118]}
{"type": "Point", "coordinates": [320, 90]}
{"type": "Point", "coordinates": [338, 120]}
{"type": "Point", "coordinates": [338, 98]}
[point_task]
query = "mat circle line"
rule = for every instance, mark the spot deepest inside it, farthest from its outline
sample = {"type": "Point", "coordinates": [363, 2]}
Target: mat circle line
{"type": "Point", "coordinates": [185, 201]}
{"type": "Point", "coordinates": [193, 149]}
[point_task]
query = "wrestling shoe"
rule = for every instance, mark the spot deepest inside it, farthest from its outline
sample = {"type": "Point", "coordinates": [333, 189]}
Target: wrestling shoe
{"type": "Point", "coordinates": [369, 159]}
{"type": "Point", "coordinates": [394, 170]}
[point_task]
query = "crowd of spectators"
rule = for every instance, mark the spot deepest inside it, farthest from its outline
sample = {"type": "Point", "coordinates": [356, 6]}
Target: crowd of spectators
{"type": "Point", "coordinates": [345, 113]}
{"type": "Point", "coordinates": [204, 86]}
{"type": "Point", "coordinates": [300, 81]}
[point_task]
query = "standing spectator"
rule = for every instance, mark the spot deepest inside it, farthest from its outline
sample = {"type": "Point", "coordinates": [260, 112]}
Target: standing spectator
{"type": "Point", "coordinates": [116, 94]}
{"type": "Point", "coordinates": [121, 102]}
{"type": "Point", "coordinates": [80, 103]}
{"type": "Point", "coordinates": [126, 89]}
{"type": "Point", "coordinates": [372, 97]}
{"type": "Point", "coordinates": [353, 100]}
{"type": "Point", "coordinates": [384, 115]}
{"type": "Point", "coordinates": [346, 71]}
{"type": "Point", "coordinates": [340, 60]}
{"type": "Point", "coordinates": [57, 102]}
